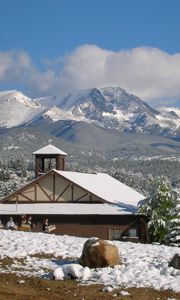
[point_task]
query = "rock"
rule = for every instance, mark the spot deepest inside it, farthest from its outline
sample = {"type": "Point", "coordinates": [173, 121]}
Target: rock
{"type": "Point", "coordinates": [175, 261]}
{"type": "Point", "coordinates": [98, 253]}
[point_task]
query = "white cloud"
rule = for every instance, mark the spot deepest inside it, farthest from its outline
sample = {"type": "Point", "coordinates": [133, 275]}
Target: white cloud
{"type": "Point", "coordinates": [149, 73]}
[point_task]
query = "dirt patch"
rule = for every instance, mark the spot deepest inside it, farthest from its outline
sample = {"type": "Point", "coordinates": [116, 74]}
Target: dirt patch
{"type": "Point", "coordinates": [40, 255]}
{"type": "Point", "coordinates": [13, 287]}
{"type": "Point", "coordinates": [52, 257]}
{"type": "Point", "coordinates": [6, 262]}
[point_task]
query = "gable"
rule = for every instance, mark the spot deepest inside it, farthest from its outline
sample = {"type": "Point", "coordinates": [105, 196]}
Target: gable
{"type": "Point", "coordinates": [52, 187]}
{"type": "Point", "coordinates": [105, 187]}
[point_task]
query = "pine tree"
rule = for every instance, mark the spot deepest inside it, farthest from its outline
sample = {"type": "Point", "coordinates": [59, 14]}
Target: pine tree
{"type": "Point", "coordinates": [159, 207]}
{"type": "Point", "coordinates": [173, 236]}
{"type": "Point", "coordinates": [4, 174]}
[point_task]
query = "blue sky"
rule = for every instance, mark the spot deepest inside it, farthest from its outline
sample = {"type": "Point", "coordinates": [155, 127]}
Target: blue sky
{"type": "Point", "coordinates": [55, 46]}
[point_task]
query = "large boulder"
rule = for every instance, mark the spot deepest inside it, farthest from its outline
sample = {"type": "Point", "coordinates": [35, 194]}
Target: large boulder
{"type": "Point", "coordinates": [98, 253]}
{"type": "Point", "coordinates": [175, 261]}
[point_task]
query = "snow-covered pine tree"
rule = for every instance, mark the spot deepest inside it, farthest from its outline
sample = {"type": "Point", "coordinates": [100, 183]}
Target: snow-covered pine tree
{"type": "Point", "coordinates": [173, 236]}
{"type": "Point", "coordinates": [159, 207]}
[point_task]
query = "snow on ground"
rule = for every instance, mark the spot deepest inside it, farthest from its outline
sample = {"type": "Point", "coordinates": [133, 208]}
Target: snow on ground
{"type": "Point", "coordinates": [142, 265]}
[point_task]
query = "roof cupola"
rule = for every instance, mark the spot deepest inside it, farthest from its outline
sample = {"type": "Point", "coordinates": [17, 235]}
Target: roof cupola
{"type": "Point", "coordinates": [47, 158]}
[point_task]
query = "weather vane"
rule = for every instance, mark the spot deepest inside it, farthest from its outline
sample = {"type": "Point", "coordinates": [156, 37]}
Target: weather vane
{"type": "Point", "coordinates": [50, 141]}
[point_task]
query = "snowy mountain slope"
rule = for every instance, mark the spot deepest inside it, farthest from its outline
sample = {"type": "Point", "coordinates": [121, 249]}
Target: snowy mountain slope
{"type": "Point", "coordinates": [89, 135]}
{"type": "Point", "coordinates": [55, 114]}
{"type": "Point", "coordinates": [170, 114]}
{"type": "Point", "coordinates": [17, 109]}
{"type": "Point", "coordinates": [16, 96]}
{"type": "Point", "coordinates": [48, 101]}
{"type": "Point", "coordinates": [108, 107]}
{"type": "Point", "coordinates": [173, 111]}
{"type": "Point", "coordinates": [113, 107]}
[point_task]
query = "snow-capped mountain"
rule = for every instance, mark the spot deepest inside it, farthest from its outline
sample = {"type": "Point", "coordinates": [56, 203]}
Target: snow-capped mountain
{"type": "Point", "coordinates": [108, 107]}
{"type": "Point", "coordinates": [113, 107]}
{"type": "Point", "coordinates": [17, 109]}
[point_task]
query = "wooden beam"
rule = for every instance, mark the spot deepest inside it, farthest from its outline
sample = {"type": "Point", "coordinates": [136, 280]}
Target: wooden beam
{"type": "Point", "coordinates": [54, 186]}
{"type": "Point", "coordinates": [72, 192]}
{"type": "Point", "coordinates": [35, 192]}
{"type": "Point", "coordinates": [43, 190]}
{"type": "Point", "coordinates": [26, 197]}
{"type": "Point", "coordinates": [63, 192]}
{"type": "Point", "coordinates": [36, 166]}
{"type": "Point", "coordinates": [24, 188]}
{"type": "Point", "coordinates": [5, 199]}
{"type": "Point", "coordinates": [82, 188]}
{"type": "Point", "coordinates": [58, 162]}
{"type": "Point", "coordinates": [76, 200]}
{"type": "Point", "coordinates": [43, 165]}
{"type": "Point", "coordinates": [16, 202]}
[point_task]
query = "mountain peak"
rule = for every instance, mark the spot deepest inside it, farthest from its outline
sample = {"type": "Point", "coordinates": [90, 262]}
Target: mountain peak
{"type": "Point", "coordinates": [16, 108]}
{"type": "Point", "coordinates": [14, 95]}
{"type": "Point", "coordinates": [5, 93]}
{"type": "Point", "coordinates": [107, 106]}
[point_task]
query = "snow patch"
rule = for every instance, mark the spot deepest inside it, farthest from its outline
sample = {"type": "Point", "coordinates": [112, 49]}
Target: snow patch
{"type": "Point", "coordinates": [143, 265]}
{"type": "Point", "coordinates": [72, 271]}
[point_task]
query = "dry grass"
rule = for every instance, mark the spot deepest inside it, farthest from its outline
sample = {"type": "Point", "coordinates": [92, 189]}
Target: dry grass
{"type": "Point", "coordinates": [13, 287]}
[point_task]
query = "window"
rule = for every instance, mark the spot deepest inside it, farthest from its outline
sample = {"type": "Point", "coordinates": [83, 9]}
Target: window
{"type": "Point", "coordinates": [132, 232]}
{"type": "Point", "coordinates": [115, 233]}
{"type": "Point", "coordinates": [130, 235]}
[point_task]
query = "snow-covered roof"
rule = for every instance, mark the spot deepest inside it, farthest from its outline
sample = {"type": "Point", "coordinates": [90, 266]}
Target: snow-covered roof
{"type": "Point", "coordinates": [105, 187]}
{"type": "Point", "coordinates": [49, 149]}
{"type": "Point", "coordinates": [62, 209]}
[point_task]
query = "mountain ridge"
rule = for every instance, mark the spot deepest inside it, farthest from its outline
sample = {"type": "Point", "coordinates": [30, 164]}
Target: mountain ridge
{"type": "Point", "coordinates": [108, 107]}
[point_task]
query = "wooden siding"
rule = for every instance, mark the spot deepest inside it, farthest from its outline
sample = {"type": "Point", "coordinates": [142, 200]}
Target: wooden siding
{"type": "Point", "coordinates": [88, 225]}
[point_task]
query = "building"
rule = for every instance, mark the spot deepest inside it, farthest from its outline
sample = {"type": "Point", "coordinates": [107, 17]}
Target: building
{"type": "Point", "coordinates": [78, 204]}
